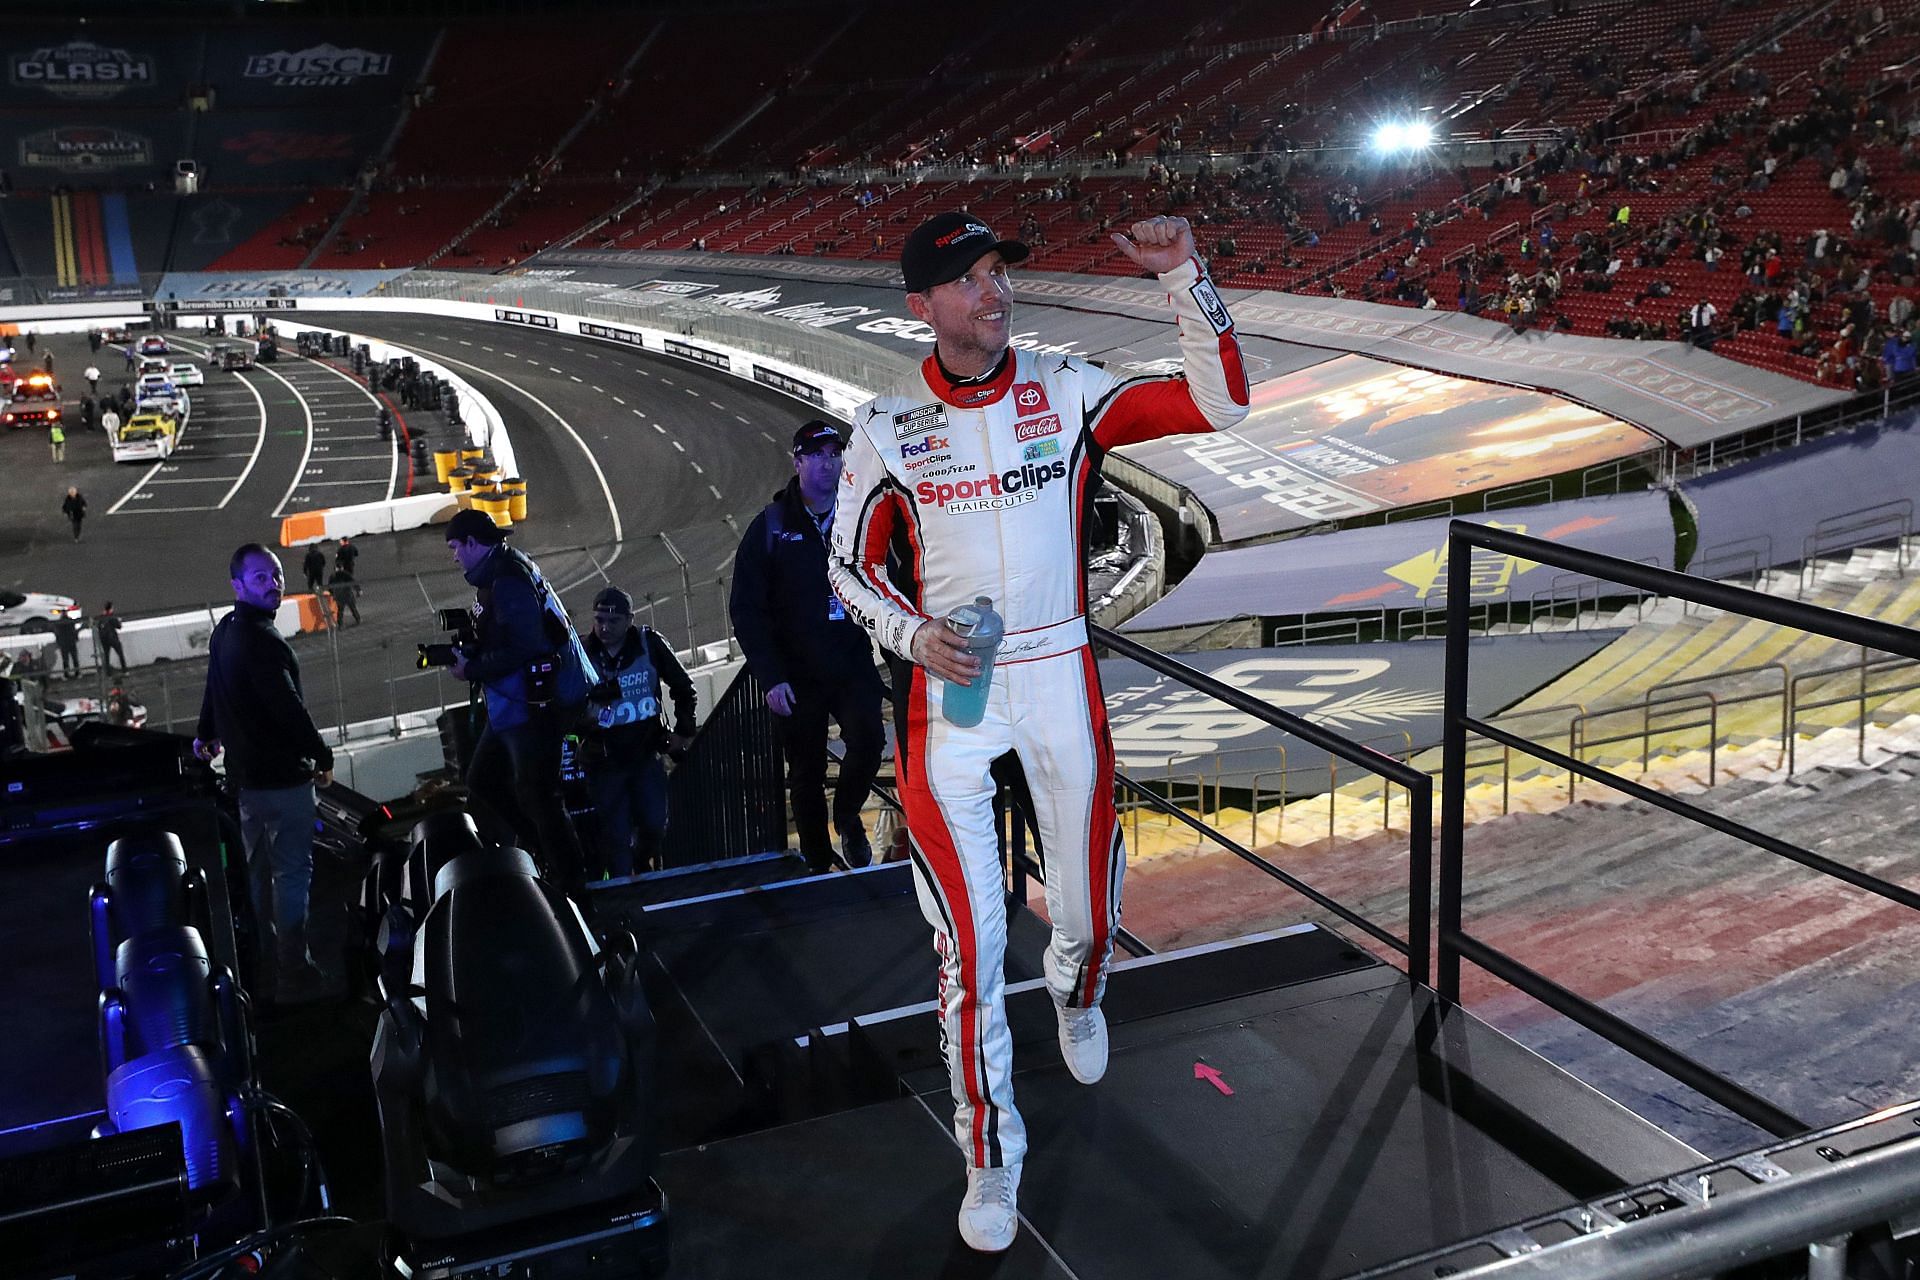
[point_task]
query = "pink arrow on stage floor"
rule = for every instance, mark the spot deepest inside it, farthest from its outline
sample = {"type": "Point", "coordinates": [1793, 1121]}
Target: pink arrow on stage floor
{"type": "Point", "coordinates": [1201, 1071]}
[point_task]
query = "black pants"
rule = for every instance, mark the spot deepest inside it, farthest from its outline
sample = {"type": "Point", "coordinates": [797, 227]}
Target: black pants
{"type": "Point", "coordinates": [110, 645]}
{"type": "Point", "coordinates": [855, 705]}
{"type": "Point", "coordinates": [516, 773]}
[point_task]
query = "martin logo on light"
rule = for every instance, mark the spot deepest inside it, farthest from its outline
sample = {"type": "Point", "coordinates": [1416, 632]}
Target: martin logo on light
{"type": "Point", "coordinates": [993, 492]}
{"type": "Point", "coordinates": [322, 66]}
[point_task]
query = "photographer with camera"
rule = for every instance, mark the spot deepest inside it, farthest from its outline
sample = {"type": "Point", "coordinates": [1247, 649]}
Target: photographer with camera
{"type": "Point", "coordinates": [528, 659]}
{"type": "Point", "coordinates": [622, 749]}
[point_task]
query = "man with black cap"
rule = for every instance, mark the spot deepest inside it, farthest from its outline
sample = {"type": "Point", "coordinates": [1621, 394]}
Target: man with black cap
{"type": "Point", "coordinates": [974, 477]}
{"type": "Point", "coordinates": [812, 659]}
{"type": "Point", "coordinates": [629, 732]}
{"type": "Point", "coordinates": [535, 674]}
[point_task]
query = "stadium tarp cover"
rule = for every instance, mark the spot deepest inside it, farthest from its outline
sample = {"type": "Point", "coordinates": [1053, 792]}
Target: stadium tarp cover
{"type": "Point", "coordinates": [1356, 435]}
{"type": "Point", "coordinates": [1774, 506]}
{"type": "Point", "coordinates": [1404, 566]}
{"type": "Point", "coordinates": [1681, 394]}
{"type": "Point", "coordinates": [1385, 695]}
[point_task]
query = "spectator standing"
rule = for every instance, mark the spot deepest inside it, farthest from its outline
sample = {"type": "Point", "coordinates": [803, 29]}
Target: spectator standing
{"type": "Point", "coordinates": [254, 711]}
{"type": "Point", "coordinates": [521, 630]}
{"type": "Point", "coordinates": [74, 509]}
{"type": "Point", "coordinates": [346, 597]}
{"type": "Point", "coordinates": [314, 566]}
{"type": "Point", "coordinates": [1014, 532]}
{"type": "Point", "coordinates": [92, 375]}
{"type": "Point", "coordinates": [109, 420]}
{"type": "Point", "coordinates": [813, 660]}
{"type": "Point", "coordinates": [1700, 324]}
{"type": "Point", "coordinates": [345, 555]}
{"type": "Point", "coordinates": [624, 745]}
{"type": "Point", "coordinates": [106, 633]}
{"type": "Point", "coordinates": [57, 440]}
{"type": "Point", "coordinates": [66, 637]}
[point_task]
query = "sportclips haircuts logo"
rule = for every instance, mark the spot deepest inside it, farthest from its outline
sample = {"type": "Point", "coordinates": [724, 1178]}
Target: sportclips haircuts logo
{"type": "Point", "coordinates": [80, 69]}
{"type": "Point", "coordinates": [319, 67]}
{"type": "Point", "coordinates": [533, 318]}
{"type": "Point", "coordinates": [993, 493]}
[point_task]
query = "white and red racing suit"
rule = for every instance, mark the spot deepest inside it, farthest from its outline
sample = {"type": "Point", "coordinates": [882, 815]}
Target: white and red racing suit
{"type": "Point", "coordinates": [985, 489]}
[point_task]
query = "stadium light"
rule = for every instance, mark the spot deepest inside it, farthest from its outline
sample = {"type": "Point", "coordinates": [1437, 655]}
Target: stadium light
{"type": "Point", "coordinates": [1403, 135]}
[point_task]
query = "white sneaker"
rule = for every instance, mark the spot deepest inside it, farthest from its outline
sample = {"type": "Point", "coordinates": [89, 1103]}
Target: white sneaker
{"type": "Point", "coordinates": [989, 1216]}
{"type": "Point", "coordinates": [1083, 1042]}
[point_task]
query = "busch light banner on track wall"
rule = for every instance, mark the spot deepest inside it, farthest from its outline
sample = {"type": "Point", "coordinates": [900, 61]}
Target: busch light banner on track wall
{"type": "Point", "coordinates": [1372, 693]}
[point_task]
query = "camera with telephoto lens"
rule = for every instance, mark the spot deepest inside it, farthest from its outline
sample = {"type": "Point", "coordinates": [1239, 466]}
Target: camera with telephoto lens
{"type": "Point", "coordinates": [459, 624]}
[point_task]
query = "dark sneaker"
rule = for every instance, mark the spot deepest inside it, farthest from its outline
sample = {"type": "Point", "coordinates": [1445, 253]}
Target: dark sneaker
{"type": "Point", "coordinates": [856, 850]}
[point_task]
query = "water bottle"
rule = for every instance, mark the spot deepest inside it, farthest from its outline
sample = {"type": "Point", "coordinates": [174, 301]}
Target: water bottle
{"type": "Point", "coordinates": [966, 704]}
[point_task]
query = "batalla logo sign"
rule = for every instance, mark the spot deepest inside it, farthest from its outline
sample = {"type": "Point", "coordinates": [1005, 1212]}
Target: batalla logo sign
{"type": "Point", "coordinates": [80, 69]}
{"type": "Point", "coordinates": [80, 149]}
{"type": "Point", "coordinates": [322, 66]}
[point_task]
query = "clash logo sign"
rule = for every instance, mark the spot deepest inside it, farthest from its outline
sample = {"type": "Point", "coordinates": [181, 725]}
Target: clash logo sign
{"type": "Point", "coordinates": [80, 69]}
{"type": "Point", "coordinates": [322, 66]}
{"type": "Point", "coordinates": [79, 147]}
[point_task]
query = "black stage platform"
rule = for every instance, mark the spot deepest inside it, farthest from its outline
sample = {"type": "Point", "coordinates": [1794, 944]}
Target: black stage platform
{"type": "Point", "coordinates": [1283, 1105]}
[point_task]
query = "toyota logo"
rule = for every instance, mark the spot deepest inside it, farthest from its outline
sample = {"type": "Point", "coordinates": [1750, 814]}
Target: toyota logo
{"type": "Point", "coordinates": [1029, 398]}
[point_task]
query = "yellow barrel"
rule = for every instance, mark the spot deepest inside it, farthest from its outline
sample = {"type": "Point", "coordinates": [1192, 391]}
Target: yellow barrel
{"type": "Point", "coordinates": [444, 461]}
{"type": "Point", "coordinates": [458, 480]}
{"type": "Point", "coordinates": [516, 502]}
{"type": "Point", "coordinates": [472, 455]}
{"type": "Point", "coordinates": [497, 508]}
{"type": "Point", "coordinates": [485, 474]}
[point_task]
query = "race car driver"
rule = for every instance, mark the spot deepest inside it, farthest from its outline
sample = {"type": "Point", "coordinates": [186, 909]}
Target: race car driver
{"type": "Point", "coordinates": [974, 477]}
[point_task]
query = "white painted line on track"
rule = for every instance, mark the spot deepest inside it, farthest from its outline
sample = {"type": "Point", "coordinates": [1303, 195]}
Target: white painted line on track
{"type": "Point", "coordinates": [393, 458]}
{"type": "Point", "coordinates": [617, 400]}
{"type": "Point", "coordinates": [716, 494]}
{"type": "Point", "coordinates": [769, 436]}
{"type": "Point", "coordinates": [657, 427]}
{"type": "Point", "coordinates": [697, 468]}
{"type": "Point", "coordinates": [677, 445]}
{"type": "Point", "coordinates": [716, 404]}
{"type": "Point", "coordinates": [305, 453]}
{"type": "Point", "coordinates": [738, 418]}
{"type": "Point", "coordinates": [577, 378]}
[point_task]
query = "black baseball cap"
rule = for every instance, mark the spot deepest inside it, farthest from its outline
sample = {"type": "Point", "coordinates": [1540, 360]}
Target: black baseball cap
{"type": "Point", "coordinates": [477, 525]}
{"type": "Point", "coordinates": [613, 600]}
{"type": "Point", "coordinates": [946, 246]}
{"type": "Point", "coordinates": [814, 437]}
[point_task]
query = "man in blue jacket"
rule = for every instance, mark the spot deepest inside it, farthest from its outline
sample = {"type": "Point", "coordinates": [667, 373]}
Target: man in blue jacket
{"type": "Point", "coordinates": [529, 661]}
{"type": "Point", "coordinates": [254, 711]}
{"type": "Point", "coordinates": [629, 731]}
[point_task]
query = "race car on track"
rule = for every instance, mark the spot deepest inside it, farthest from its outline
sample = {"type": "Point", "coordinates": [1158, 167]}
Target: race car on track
{"type": "Point", "coordinates": [32, 611]}
{"type": "Point", "coordinates": [186, 374]}
{"type": "Point", "coordinates": [153, 364]}
{"type": "Point", "coordinates": [148, 436]}
{"type": "Point", "coordinates": [117, 335]}
{"type": "Point", "coordinates": [33, 402]}
{"type": "Point", "coordinates": [152, 345]}
{"type": "Point", "coordinates": [155, 386]}
{"type": "Point", "coordinates": [232, 355]}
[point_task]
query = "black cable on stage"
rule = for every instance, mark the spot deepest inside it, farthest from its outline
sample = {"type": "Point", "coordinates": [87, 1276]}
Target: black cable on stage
{"type": "Point", "coordinates": [210, 1266]}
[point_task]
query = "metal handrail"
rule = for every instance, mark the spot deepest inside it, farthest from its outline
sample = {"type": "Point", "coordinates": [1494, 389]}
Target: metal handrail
{"type": "Point", "coordinates": [1859, 696]}
{"type": "Point", "coordinates": [1419, 787]}
{"type": "Point", "coordinates": [1456, 943]}
{"type": "Point", "coordinates": [1645, 708]}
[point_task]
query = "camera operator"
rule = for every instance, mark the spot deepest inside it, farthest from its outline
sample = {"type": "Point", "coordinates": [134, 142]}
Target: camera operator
{"type": "Point", "coordinates": [623, 747]}
{"type": "Point", "coordinates": [534, 671]}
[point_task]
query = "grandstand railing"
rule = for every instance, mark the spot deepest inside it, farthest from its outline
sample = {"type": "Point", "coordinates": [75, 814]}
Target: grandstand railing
{"type": "Point", "coordinates": [1415, 947]}
{"type": "Point", "coordinates": [1457, 944]}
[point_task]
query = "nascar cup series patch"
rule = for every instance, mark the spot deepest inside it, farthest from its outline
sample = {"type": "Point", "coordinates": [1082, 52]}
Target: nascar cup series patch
{"type": "Point", "coordinates": [1210, 305]}
{"type": "Point", "coordinates": [915, 421]}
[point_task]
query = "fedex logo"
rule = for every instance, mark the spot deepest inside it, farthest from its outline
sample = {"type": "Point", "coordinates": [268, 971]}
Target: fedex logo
{"type": "Point", "coordinates": [1047, 426]}
{"type": "Point", "coordinates": [993, 492]}
{"type": "Point", "coordinates": [1030, 397]}
{"type": "Point", "coordinates": [923, 447]}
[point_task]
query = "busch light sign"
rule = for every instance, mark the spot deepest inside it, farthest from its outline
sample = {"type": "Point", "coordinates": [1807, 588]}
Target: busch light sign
{"type": "Point", "coordinates": [80, 69]}
{"type": "Point", "coordinates": [322, 66]}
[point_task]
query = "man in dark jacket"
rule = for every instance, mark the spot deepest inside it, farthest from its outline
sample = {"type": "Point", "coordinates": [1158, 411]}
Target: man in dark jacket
{"type": "Point", "coordinates": [812, 659]}
{"type": "Point", "coordinates": [254, 710]}
{"type": "Point", "coordinates": [66, 638]}
{"type": "Point", "coordinates": [106, 632]}
{"type": "Point", "coordinates": [623, 747]}
{"type": "Point", "coordinates": [314, 565]}
{"type": "Point", "coordinates": [531, 665]}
